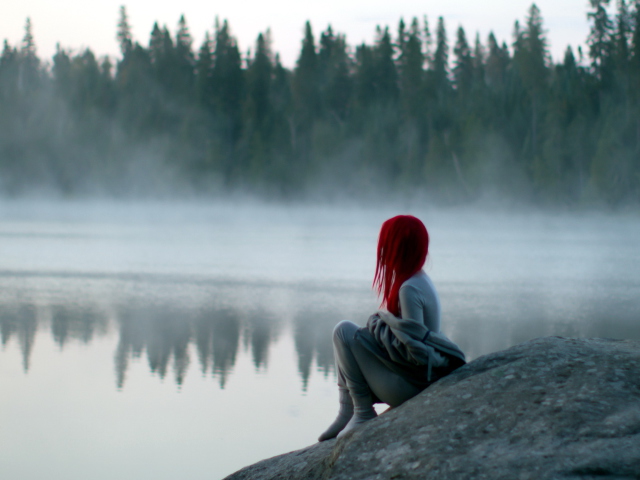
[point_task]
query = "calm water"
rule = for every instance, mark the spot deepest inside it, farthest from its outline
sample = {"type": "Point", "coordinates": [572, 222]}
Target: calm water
{"type": "Point", "coordinates": [186, 341]}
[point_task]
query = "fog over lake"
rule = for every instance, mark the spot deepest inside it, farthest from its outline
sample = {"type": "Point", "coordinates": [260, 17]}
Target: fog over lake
{"type": "Point", "coordinates": [187, 340]}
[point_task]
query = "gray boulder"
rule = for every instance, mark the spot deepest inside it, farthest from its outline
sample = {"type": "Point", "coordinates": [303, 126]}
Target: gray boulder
{"type": "Point", "coordinates": [552, 407]}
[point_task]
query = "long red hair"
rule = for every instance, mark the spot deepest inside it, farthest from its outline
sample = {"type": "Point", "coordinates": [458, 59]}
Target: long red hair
{"type": "Point", "coordinates": [403, 245]}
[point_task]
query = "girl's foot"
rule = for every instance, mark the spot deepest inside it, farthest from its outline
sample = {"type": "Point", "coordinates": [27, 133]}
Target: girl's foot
{"type": "Point", "coordinates": [344, 415]}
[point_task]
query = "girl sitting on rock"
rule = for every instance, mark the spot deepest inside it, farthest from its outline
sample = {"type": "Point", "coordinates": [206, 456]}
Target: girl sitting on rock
{"type": "Point", "coordinates": [401, 350]}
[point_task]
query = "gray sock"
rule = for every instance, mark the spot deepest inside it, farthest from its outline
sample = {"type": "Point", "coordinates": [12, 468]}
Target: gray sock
{"type": "Point", "coordinates": [363, 412]}
{"type": "Point", "coordinates": [344, 415]}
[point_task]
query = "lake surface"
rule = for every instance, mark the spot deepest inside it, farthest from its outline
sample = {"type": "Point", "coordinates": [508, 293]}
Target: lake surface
{"type": "Point", "coordinates": [177, 340]}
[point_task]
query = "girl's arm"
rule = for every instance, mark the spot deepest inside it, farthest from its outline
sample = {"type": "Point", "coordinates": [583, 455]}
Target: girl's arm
{"type": "Point", "coordinates": [411, 305]}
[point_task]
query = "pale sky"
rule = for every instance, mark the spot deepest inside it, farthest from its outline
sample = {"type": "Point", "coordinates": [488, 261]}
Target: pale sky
{"type": "Point", "coordinates": [80, 23]}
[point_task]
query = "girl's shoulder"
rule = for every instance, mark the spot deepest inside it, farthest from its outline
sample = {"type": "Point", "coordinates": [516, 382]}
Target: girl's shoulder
{"type": "Point", "coordinates": [420, 279]}
{"type": "Point", "coordinates": [420, 282]}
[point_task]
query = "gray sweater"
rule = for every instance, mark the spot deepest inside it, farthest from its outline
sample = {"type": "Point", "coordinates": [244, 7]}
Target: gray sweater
{"type": "Point", "coordinates": [419, 301]}
{"type": "Point", "coordinates": [411, 345]}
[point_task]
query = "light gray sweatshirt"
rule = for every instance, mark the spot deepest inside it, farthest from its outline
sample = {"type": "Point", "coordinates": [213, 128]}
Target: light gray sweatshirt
{"type": "Point", "coordinates": [412, 345]}
{"type": "Point", "coordinates": [419, 301]}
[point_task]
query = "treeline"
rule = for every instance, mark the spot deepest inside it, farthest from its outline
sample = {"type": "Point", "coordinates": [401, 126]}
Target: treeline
{"type": "Point", "coordinates": [416, 111]}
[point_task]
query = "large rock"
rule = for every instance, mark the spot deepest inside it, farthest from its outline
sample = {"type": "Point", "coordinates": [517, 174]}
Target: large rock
{"type": "Point", "coordinates": [548, 408]}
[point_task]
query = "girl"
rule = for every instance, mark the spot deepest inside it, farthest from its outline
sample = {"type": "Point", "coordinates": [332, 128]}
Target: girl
{"type": "Point", "coordinates": [401, 351]}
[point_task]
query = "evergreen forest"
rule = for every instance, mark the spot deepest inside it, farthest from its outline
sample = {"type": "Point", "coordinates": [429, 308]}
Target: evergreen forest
{"type": "Point", "coordinates": [421, 111]}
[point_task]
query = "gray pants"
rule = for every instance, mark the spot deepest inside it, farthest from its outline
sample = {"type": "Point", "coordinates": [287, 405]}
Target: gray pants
{"type": "Point", "coordinates": [363, 374]}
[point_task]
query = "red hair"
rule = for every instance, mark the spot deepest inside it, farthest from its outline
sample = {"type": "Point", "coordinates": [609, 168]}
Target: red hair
{"type": "Point", "coordinates": [403, 245]}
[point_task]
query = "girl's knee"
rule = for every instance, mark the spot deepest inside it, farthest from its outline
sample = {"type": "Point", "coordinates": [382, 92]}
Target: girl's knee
{"type": "Point", "coordinates": [344, 331]}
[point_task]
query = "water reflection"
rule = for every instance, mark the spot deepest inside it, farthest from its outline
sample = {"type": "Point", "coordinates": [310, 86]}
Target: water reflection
{"type": "Point", "coordinates": [260, 331]}
{"type": "Point", "coordinates": [78, 323]}
{"type": "Point", "coordinates": [19, 320]}
{"type": "Point", "coordinates": [219, 332]}
{"type": "Point", "coordinates": [312, 336]}
{"type": "Point", "coordinates": [167, 334]}
{"type": "Point", "coordinates": [161, 331]}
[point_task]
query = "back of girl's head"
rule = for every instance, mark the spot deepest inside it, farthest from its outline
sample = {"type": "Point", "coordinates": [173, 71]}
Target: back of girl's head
{"type": "Point", "coordinates": [402, 250]}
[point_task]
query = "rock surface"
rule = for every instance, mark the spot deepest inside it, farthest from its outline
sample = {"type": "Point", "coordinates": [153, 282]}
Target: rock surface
{"type": "Point", "coordinates": [548, 408]}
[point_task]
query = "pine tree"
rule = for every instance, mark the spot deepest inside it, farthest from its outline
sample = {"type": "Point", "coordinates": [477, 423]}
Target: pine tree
{"type": "Point", "coordinates": [600, 39]}
{"type": "Point", "coordinates": [496, 64]}
{"type": "Point", "coordinates": [87, 73]}
{"type": "Point", "coordinates": [479, 59]}
{"type": "Point", "coordinates": [412, 106]}
{"type": "Point", "coordinates": [107, 95]}
{"type": "Point", "coordinates": [437, 83]}
{"type": "Point", "coordinates": [259, 76]}
{"type": "Point", "coordinates": [440, 64]}
{"type": "Point", "coordinates": [622, 36]}
{"type": "Point", "coordinates": [167, 73]}
{"type": "Point", "coordinates": [386, 75]}
{"type": "Point", "coordinates": [463, 63]}
{"type": "Point", "coordinates": [561, 170]}
{"type": "Point", "coordinates": [622, 51]}
{"type": "Point", "coordinates": [534, 62]}
{"type": "Point", "coordinates": [334, 70]}
{"type": "Point", "coordinates": [428, 40]}
{"type": "Point", "coordinates": [28, 48]}
{"type": "Point", "coordinates": [282, 139]}
{"type": "Point", "coordinates": [402, 36]}
{"type": "Point", "coordinates": [439, 112]}
{"type": "Point", "coordinates": [125, 39]}
{"type": "Point", "coordinates": [136, 89]}
{"type": "Point", "coordinates": [204, 67]}
{"type": "Point", "coordinates": [281, 88]}
{"type": "Point", "coordinates": [9, 75]}
{"type": "Point", "coordinates": [157, 45]}
{"type": "Point", "coordinates": [183, 36]}
{"type": "Point", "coordinates": [227, 76]}
{"type": "Point", "coordinates": [531, 59]}
{"type": "Point", "coordinates": [364, 77]}
{"type": "Point", "coordinates": [228, 89]}
{"type": "Point", "coordinates": [258, 112]}
{"type": "Point", "coordinates": [306, 89]}
{"type": "Point", "coordinates": [61, 70]}
{"type": "Point", "coordinates": [411, 70]}
{"type": "Point", "coordinates": [184, 63]}
{"type": "Point", "coordinates": [30, 74]}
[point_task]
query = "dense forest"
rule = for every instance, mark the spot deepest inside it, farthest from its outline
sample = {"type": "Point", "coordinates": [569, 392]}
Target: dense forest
{"type": "Point", "coordinates": [419, 111]}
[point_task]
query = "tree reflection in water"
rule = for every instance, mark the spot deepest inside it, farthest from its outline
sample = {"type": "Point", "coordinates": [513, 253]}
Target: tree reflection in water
{"type": "Point", "coordinates": [312, 336]}
{"type": "Point", "coordinates": [19, 320]}
{"type": "Point", "coordinates": [482, 318]}
{"type": "Point", "coordinates": [161, 332]}
{"type": "Point", "coordinates": [261, 329]}
{"type": "Point", "coordinates": [165, 333]}
{"type": "Point", "coordinates": [218, 330]}
{"type": "Point", "coordinates": [77, 323]}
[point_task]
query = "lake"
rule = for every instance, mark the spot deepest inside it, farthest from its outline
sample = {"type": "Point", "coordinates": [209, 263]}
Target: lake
{"type": "Point", "coordinates": [186, 340]}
